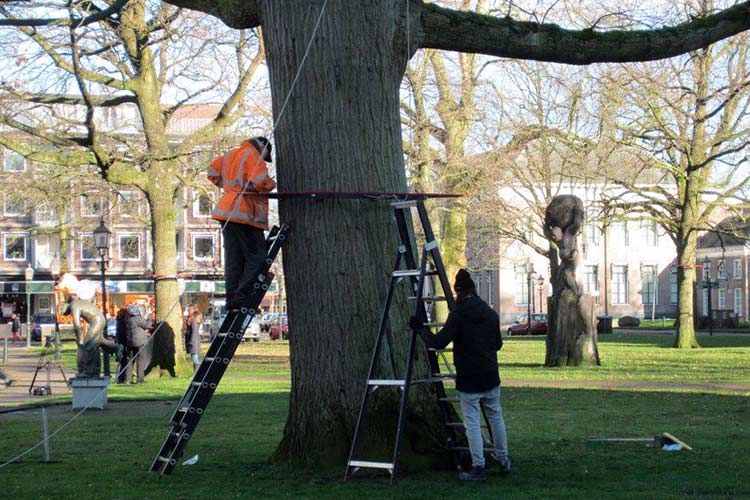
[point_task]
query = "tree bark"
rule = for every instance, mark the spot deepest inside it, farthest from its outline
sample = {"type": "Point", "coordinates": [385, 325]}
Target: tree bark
{"type": "Point", "coordinates": [333, 136]}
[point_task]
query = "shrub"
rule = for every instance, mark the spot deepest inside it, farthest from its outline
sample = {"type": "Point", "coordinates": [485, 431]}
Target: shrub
{"type": "Point", "coordinates": [629, 321]}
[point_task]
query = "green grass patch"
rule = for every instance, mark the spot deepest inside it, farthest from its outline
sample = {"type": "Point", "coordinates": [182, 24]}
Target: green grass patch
{"type": "Point", "coordinates": [106, 454]}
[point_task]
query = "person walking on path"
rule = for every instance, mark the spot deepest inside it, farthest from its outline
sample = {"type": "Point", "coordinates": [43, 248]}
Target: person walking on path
{"type": "Point", "coordinates": [474, 329]}
{"type": "Point", "coordinates": [136, 327]}
{"type": "Point", "coordinates": [15, 327]}
{"type": "Point", "coordinates": [240, 173]}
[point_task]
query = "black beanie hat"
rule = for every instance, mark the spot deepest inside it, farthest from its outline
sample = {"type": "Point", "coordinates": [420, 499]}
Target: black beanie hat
{"type": "Point", "coordinates": [463, 281]}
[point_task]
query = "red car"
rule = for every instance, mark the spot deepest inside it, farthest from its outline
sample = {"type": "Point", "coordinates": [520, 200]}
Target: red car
{"type": "Point", "coordinates": [521, 325]}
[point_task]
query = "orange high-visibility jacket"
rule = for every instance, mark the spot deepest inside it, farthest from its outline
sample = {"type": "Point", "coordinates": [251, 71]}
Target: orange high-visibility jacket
{"type": "Point", "coordinates": [241, 169]}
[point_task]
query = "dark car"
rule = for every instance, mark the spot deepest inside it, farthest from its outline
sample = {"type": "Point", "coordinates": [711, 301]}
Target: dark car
{"type": "Point", "coordinates": [42, 324]}
{"type": "Point", "coordinates": [521, 325]}
{"type": "Point", "coordinates": [279, 328]}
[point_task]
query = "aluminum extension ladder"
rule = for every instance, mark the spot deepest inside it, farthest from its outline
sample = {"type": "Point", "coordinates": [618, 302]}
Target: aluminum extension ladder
{"type": "Point", "coordinates": [205, 380]}
{"type": "Point", "coordinates": [431, 264]}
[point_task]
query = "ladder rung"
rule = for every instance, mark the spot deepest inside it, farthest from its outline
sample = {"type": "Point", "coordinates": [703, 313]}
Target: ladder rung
{"type": "Point", "coordinates": [466, 448]}
{"type": "Point", "coordinates": [405, 204]}
{"type": "Point", "coordinates": [432, 380]}
{"type": "Point", "coordinates": [434, 325]}
{"type": "Point", "coordinates": [436, 298]}
{"type": "Point", "coordinates": [386, 382]}
{"type": "Point", "coordinates": [412, 272]}
{"type": "Point", "coordinates": [371, 465]}
{"type": "Point", "coordinates": [444, 375]}
{"type": "Point", "coordinates": [461, 424]}
{"type": "Point", "coordinates": [450, 400]}
{"type": "Point", "coordinates": [439, 350]}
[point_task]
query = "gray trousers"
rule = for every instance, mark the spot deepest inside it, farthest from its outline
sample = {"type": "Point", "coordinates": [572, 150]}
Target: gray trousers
{"type": "Point", "coordinates": [244, 253]}
{"type": "Point", "coordinates": [470, 406]}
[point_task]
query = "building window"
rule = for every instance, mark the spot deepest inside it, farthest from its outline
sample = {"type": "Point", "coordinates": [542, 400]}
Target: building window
{"type": "Point", "coordinates": [203, 246]}
{"type": "Point", "coordinates": [14, 207]}
{"type": "Point", "coordinates": [88, 248]}
{"type": "Point", "coordinates": [522, 286]}
{"type": "Point", "coordinates": [619, 284]}
{"type": "Point", "coordinates": [46, 215]}
{"type": "Point", "coordinates": [706, 271]}
{"type": "Point", "coordinates": [592, 227]}
{"type": "Point", "coordinates": [648, 284]}
{"type": "Point", "coordinates": [201, 204]}
{"type": "Point", "coordinates": [92, 206]}
{"type": "Point", "coordinates": [14, 246]}
{"type": "Point", "coordinates": [591, 280]}
{"type": "Point", "coordinates": [128, 202]}
{"type": "Point", "coordinates": [13, 162]}
{"type": "Point", "coordinates": [721, 272]}
{"type": "Point", "coordinates": [650, 234]}
{"type": "Point", "coordinates": [737, 302]}
{"type": "Point", "coordinates": [721, 298]}
{"type": "Point", "coordinates": [673, 295]}
{"type": "Point", "coordinates": [490, 279]}
{"type": "Point", "coordinates": [129, 246]}
{"type": "Point", "coordinates": [620, 235]}
{"type": "Point", "coordinates": [737, 269]}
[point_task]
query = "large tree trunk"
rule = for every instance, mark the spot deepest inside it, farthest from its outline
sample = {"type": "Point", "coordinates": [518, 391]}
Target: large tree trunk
{"type": "Point", "coordinates": [162, 205]}
{"type": "Point", "coordinates": [685, 337]}
{"type": "Point", "coordinates": [333, 136]}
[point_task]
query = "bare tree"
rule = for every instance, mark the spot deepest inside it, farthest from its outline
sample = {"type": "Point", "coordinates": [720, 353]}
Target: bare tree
{"type": "Point", "coordinates": [109, 92]}
{"type": "Point", "coordinates": [685, 123]}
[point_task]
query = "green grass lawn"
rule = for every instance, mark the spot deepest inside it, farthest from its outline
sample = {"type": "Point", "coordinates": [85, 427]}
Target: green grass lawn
{"type": "Point", "coordinates": [106, 454]}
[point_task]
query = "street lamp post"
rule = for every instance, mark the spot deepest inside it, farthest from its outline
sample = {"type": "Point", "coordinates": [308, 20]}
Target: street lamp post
{"type": "Point", "coordinates": [530, 296]}
{"type": "Point", "coordinates": [540, 285]}
{"type": "Point", "coordinates": [707, 278]}
{"type": "Point", "coordinates": [54, 269]}
{"type": "Point", "coordinates": [29, 275]}
{"type": "Point", "coordinates": [101, 241]}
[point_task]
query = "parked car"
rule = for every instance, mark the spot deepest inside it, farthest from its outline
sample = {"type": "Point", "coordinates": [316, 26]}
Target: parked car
{"type": "Point", "coordinates": [266, 319]}
{"type": "Point", "coordinates": [521, 325]}
{"type": "Point", "coordinates": [279, 328]}
{"type": "Point", "coordinates": [42, 324]}
{"type": "Point", "coordinates": [252, 332]}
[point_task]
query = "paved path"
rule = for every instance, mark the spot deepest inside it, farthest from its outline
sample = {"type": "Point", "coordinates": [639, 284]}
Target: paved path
{"type": "Point", "coordinates": [20, 369]}
{"type": "Point", "coordinates": [620, 384]}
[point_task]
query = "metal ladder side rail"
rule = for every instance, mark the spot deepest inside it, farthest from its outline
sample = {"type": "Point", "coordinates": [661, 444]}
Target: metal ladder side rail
{"type": "Point", "coordinates": [383, 325]}
{"type": "Point", "coordinates": [225, 345]}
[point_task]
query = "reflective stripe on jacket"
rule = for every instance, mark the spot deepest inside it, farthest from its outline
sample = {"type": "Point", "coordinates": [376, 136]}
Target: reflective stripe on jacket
{"type": "Point", "coordinates": [241, 169]}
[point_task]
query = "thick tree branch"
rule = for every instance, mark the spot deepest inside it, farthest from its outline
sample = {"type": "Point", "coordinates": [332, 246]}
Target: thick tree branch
{"type": "Point", "coordinates": [234, 13]}
{"type": "Point", "coordinates": [76, 22]}
{"type": "Point", "coordinates": [461, 31]}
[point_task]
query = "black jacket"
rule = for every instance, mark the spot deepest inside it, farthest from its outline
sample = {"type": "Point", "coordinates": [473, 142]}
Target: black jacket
{"type": "Point", "coordinates": [474, 329]}
{"type": "Point", "coordinates": [136, 328]}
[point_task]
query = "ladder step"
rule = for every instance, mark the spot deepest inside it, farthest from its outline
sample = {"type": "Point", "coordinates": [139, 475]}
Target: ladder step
{"type": "Point", "coordinates": [412, 272]}
{"type": "Point", "coordinates": [386, 382]}
{"type": "Point", "coordinates": [405, 204]}
{"type": "Point", "coordinates": [444, 375]}
{"type": "Point", "coordinates": [461, 424]}
{"type": "Point", "coordinates": [432, 380]}
{"type": "Point", "coordinates": [371, 465]}
{"type": "Point", "coordinates": [432, 349]}
{"type": "Point", "coordinates": [434, 325]}
{"type": "Point", "coordinates": [436, 298]}
{"type": "Point", "coordinates": [466, 448]}
{"type": "Point", "coordinates": [450, 400]}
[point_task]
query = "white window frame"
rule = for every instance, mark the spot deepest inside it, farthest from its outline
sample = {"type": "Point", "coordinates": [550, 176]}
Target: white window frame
{"type": "Point", "coordinates": [721, 298]}
{"type": "Point", "coordinates": [737, 302]}
{"type": "Point", "coordinates": [84, 199]}
{"type": "Point", "coordinates": [737, 268]}
{"type": "Point", "coordinates": [196, 205]}
{"type": "Point", "coordinates": [521, 297]}
{"type": "Point", "coordinates": [41, 212]}
{"type": "Point", "coordinates": [706, 270]}
{"type": "Point", "coordinates": [650, 233]}
{"type": "Point", "coordinates": [25, 239]}
{"type": "Point", "coordinates": [490, 280]}
{"type": "Point", "coordinates": [120, 236]}
{"type": "Point", "coordinates": [8, 213]}
{"type": "Point", "coordinates": [674, 292]}
{"type": "Point", "coordinates": [592, 228]}
{"type": "Point", "coordinates": [193, 237]}
{"type": "Point", "coordinates": [591, 287]}
{"type": "Point", "coordinates": [10, 153]}
{"type": "Point", "coordinates": [620, 292]}
{"type": "Point", "coordinates": [648, 287]}
{"type": "Point", "coordinates": [129, 197]}
{"type": "Point", "coordinates": [82, 237]}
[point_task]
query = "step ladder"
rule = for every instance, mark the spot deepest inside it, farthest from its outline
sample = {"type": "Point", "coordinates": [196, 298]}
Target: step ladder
{"type": "Point", "coordinates": [431, 264]}
{"type": "Point", "coordinates": [208, 375]}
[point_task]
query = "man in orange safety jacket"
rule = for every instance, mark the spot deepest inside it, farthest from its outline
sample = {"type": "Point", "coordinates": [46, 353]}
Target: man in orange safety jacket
{"type": "Point", "coordinates": [240, 173]}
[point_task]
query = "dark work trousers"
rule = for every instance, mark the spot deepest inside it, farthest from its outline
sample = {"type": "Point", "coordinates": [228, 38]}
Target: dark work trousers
{"type": "Point", "coordinates": [244, 253]}
{"type": "Point", "coordinates": [141, 361]}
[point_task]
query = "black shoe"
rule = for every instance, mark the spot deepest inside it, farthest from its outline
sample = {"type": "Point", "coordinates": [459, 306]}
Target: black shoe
{"type": "Point", "coordinates": [476, 474]}
{"type": "Point", "coordinates": [503, 463]}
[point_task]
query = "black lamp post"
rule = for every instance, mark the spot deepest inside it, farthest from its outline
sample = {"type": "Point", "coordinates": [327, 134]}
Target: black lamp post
{"type": "Point", "coordinates": [28, 275]}
{"type": "Point", "coordinates": [530, 296]}
{"type": "Point", "coordinates": [707, 279]}
{"type": "Point", "coordinates": [540, 285]}
{"type": "Point", "coordinates": [101, 241]}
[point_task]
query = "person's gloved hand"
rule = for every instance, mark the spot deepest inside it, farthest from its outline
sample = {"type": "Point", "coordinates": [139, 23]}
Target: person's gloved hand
{"type": "Point", "coordinates": [416, 323]}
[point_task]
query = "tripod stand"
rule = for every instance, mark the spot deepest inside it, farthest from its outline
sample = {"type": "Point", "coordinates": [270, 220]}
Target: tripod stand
{"type": "Point", "coordinates": [46, 362]}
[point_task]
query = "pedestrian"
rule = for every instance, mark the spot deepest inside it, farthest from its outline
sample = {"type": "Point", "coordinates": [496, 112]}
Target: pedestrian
{"type": "Point", "coordinates": [137, 335]}
{"type": "Point", "coordinates": [194, 338]}
{"type": "Point", "coordinates": [474, 329]}
{"type": "Point", "coordinates": [244, 216]}
{"type": "Point", "coordinates": [15, 327]}
{"type": "Point", "coordinates": [121, 330]}
{"type": "Point", "coordinates": [163, 349]}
